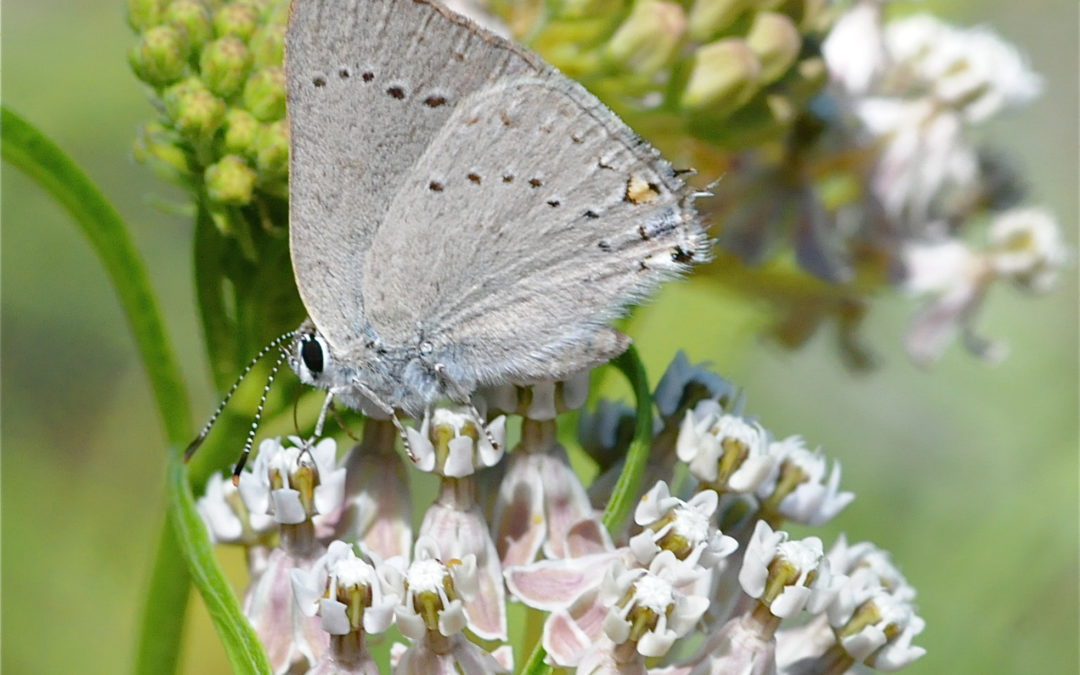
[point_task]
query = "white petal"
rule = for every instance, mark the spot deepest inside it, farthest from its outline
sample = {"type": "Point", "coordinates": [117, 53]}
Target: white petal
{"type": "Point", "coordinates": [334, 619]}
{"type": "Point", "coordinates": [287, 506]}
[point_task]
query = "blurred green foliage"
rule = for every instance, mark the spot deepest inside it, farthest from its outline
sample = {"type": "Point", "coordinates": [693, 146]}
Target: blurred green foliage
{"type": "Point", "coordinates": [967, 473]}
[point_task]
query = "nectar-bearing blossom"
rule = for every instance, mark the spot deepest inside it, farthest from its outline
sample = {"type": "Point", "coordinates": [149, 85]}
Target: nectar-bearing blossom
{"type": "Point", "coordinates": [431, 612]}
{"type": "Point", "coordinates": [800, 487]}
{"type": "Point", "coordinates": [294, 483]}
{"type": "Point", "coordinates": [455, 444]}
{"type": "Point", "coordinates": [345, 592]}
{"type": "Point", "coordinates": [787, 575]}
{"type": "Point", "coordinates": [725, 452]}
{"type": "Point", "coordinates": [685, 528]}
{"type": "Point", "coordinates": [646, 605]}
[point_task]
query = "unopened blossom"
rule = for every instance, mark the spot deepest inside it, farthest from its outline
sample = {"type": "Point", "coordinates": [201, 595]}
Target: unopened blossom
{"type": "Point", "coordinates": [787, 576]}
{"type": "Point", "coordinates": [605, 431]}
{"type": "Point", "coordinates": [345, 592]}
{"type": "Point", "coordinates": [455, 444]}
{"type": "Point", "coordinates": [1026, 247]}
{"type": "Point", "coordinates": [725, 452]}
{"type": "Point", "coordinates": [745, 644]}
{"type": "Point", "coordinates": [431, 612]}
{"type": "Point", "coordinates": [684, 384]}
{"type": "Point", "coordinates": [649, 606]}
{"type": "Point", "coordinates": [800, 487]}
{"type": "Point", "coordinates": [685, 528]}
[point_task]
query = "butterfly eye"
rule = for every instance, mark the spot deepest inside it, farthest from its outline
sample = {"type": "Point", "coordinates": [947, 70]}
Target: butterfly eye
{"type": "Point", "coordinates": [312, 353]}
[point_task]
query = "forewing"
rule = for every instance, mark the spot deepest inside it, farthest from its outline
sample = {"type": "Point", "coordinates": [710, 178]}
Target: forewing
{"type": "Point", "coordinates": [370, 83]}
{"type": "Point", "coordinates": [531, 221]}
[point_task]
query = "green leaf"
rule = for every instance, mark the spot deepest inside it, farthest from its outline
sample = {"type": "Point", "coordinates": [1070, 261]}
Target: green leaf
{"type": "Point", "coordinates": [242, 646]}
{"type": "Point", "coordinates": [625, 494]}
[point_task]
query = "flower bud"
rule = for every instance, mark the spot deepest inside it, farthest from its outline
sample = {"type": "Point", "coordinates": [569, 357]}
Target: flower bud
{"type": "Point", "coordinates": [725, 75]}
{"type": "Point", "coordinates": [224, 66]}
{"type": "Point", "coordinates": [776, 41]}
{"type": "Point", "coordinates": [160, 57]}
{"type": "Point", "coordinates": [264, 94]}
{"type": "Point", "coordinates": [237, 20]}
{"type": "Point", "coordinates": [143, 14]}
{"type": "Point", "coordinates": [648, 40]}
{"type": "Point", "coordinates": [241, 131]}
{"type": "Point", "coordinates": [196, 112]}
{"type": "Point", "coordinates": [272, 151]}
{"type": "Point", "coordinates": [158, 147]}
{"type": "Point", "coordinates": [193, 17]}
{"type": "Point", "coordinates": [709, 17]}
{"type": "Point", "coordinates": [584, 9]}
{"type": "Point", "coordinates": [230, 181]}
{"type": "Point", "coordinates": [268, 45]}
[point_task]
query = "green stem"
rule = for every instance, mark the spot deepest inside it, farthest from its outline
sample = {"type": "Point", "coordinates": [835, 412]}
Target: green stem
{"type": "Point", "coordinates": [31, 151]}
{"type": "Point", "coordinates": [625, 494]}
{"type": "Point", "coordinates": [242, 645]}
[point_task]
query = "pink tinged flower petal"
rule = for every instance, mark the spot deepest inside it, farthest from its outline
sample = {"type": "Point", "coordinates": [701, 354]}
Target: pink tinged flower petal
{"type": "Point", "coordinates": [738, 647]}
{"type": "Point", "coordinates": [587, 537]}
{"type": "Point", "coordinates": [564, 640]}
{"type": "Point", "coordinates": [504, 656]}
{"type": "Point", "coordinates": [520, 525]}
{"type": "Point", "coordinates": [377, 512]}
{"type": "Point", "coordinates": [287, 507]}
{"type": "Point", "coordinates": [465, 533]}
{"type": "Point", "coordinates": [565, 498]}
{"type": "Point", "coordinates": [552, 584]}
{"type": "Point", "coordinates": [289, 637]}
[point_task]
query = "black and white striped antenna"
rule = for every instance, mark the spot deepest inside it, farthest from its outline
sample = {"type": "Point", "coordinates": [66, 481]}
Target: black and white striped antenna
{"type": "Point", "coordinates": [194, 445]}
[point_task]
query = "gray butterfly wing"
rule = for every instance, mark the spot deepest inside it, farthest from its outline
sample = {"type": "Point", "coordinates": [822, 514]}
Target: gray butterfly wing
{"type": "Point", "coordinates": [370, 83]}
{"type": "Point", "coordinates": [533, 219]}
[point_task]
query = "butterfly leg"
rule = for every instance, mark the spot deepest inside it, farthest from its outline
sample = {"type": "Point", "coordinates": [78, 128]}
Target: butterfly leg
{"type": "Point", "coordinates": [459, 394]}
{"type": "Point", "coordinates": [389, 410]}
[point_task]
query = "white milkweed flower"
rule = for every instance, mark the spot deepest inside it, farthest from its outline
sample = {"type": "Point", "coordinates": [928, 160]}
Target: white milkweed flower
{"type": "Point", "coordinates": [685, 528]}
{"type": "Point", "coordinates": [344, 591]}
{"type": "Point", "coordinates": [431, 612]}
{"type": "Point", "coordinates": [787, 576]}
{"type": "Point", "coordinates": [1026, 247]}
{"type": "Point", "coordinates": [455, 444]}
{"type": "Point", "coordinates": [293, 484]}
{"type": "Point", "coordinates": [227, 518]}
{"type": "Point", "coordinates": [972, 70]}
{"type": "Point", "coordinates": [648, 607]}
{"type": "Point", "coordinates": [725, 452]}
{"type": "Point", "coordinates": [800, 487]}
{"type": "Point", "coordinates": [855, 50]}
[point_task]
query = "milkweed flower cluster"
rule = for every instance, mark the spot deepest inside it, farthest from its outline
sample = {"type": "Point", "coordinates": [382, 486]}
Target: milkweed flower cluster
{"type": "Point", "coordinates": [704, 579]}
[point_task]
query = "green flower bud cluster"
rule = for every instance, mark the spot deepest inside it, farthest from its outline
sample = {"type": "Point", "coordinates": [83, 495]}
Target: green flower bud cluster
{"type": "Point", "coordinates": [733, 73]}
{"type": "Point", "coordinates": [215, 73]}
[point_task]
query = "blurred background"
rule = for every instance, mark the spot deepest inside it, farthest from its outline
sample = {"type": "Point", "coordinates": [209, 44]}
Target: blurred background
{"type": "Point", "coordinates": [967, 473]}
